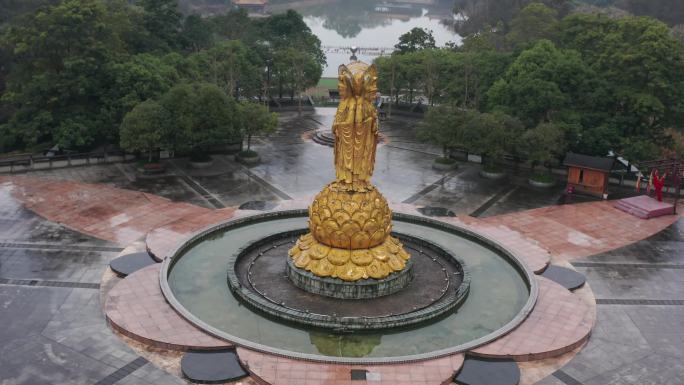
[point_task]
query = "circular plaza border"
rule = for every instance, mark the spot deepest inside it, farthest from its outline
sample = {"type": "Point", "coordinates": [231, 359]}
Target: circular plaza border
{"type": "Point", "coordinates": [526, 274]}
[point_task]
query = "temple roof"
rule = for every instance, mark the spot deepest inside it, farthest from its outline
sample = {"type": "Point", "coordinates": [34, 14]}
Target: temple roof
{"type": "Point", "coordinates": [586, 161]}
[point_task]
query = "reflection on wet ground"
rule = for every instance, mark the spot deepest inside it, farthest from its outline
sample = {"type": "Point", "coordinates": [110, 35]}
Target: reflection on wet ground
{"type": "Point", "coordinates": [294, 166]}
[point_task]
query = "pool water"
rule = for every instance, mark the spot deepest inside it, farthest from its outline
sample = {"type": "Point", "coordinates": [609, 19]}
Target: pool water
{"type": "Point", "coordinates": [498, 292]}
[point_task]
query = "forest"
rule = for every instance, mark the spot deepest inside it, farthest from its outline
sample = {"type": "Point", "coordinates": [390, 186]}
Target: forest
{"type": "Point", "coordinates": [543, 84]}
{"type": "Point", "coordinates": [530, 79]}
{"type": "Point", "coordinates": [72, 71]}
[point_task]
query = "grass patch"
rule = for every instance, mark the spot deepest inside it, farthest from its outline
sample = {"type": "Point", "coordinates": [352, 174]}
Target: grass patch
{"type": "Point", "coordinates": [248, 154]}
{"type": "Point", "coordinates": [542, 178]}
{"type": "Point", "coordinates": [492, 168]}
{"type": "Point", "coordinates": [447, 161]}
{"type": "Point", "coordinates": [142, 162]}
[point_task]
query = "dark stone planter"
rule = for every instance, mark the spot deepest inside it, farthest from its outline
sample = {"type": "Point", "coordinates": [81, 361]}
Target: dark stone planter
{"type": "Point", "coordinates": [492, 175]}
{"type": "Point", "coordinates": [539, 184]}
{"type": "Point", "coordinates": [248, 160]}
{"type": "Point", "coordinates": [444, 166]}
{"type": "Point", "coordinates": [152, 170]}
{"type": "Point", "coordinates": [201, 165]}
{"type": "Point", "coordinates": [334, 313]}
{"type": "Point", "coordinates": [337, 288]}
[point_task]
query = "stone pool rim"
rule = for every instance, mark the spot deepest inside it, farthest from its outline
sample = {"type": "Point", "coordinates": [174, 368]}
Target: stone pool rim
{"type": "Point", "coordinates": [512, 257]}
{"type": "Point", "coordinates": [415, 317]}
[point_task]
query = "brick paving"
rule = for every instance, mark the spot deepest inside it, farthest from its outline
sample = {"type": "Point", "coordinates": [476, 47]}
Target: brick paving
{"type": "Point", "coordinates": [274, 370]}
{"type": "Point", "coordinates": [567, 231]}
{"type": "Point", "coordinates": [162, 240]}
{"type": "Point", "coordinates": [137, 308]}
{"type": "Point", "coordinates": [583, 229]}
{"type": "Point", "coordinates": [559, 322]}
{"type": "Point", "coordinates": [536, 257]}
{"type": "Point", "coordinates": [105, 212]}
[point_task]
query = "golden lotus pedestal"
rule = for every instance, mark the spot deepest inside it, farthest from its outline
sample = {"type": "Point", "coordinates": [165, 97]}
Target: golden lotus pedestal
{"type": "Point", "coordinates": [349, 244]}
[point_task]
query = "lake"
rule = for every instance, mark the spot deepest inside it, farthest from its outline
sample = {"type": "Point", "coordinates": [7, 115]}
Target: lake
{"type": "Point", "coordinates": [375, 26]}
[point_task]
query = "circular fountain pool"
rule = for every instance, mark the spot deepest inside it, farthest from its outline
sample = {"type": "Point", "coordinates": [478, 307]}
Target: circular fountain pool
{"type": "Point", "coordinates": [502, 293]}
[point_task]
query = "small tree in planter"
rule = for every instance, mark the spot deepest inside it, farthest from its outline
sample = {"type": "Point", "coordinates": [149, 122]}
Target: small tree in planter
{"type": "Point", "coordinates": [541, 146]}
{"type": "Point", "coordinates": [256, 120]}
{"type": "Point", "coordinates": [142, 129]}
{"type": "Point", "coordinates": [201, 114]}
{"type": "Point", "coordinates": [492, 135]}
{"type": "Point", "coordinates": [444, 127]}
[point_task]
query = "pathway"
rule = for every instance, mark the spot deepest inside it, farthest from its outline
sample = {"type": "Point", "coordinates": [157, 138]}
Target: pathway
{"type": "Point", "coordinates": [123, 216]}
{"type": "Point", "coordinates": [116, 215]}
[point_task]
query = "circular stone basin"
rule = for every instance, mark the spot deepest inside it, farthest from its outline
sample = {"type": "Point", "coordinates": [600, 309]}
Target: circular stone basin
{"type": "Point", "coordinates": [502, 293]}
{"type": "Point", "coordinates": [258, 275]}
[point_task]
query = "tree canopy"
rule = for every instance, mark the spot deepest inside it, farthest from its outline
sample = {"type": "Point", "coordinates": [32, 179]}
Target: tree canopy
{"type": "Point", "coordinates": [414, 40]}
{"type": "Point", "coordinates": [603, 83]}
{"type": "Point", "coordinates": [71, 70]}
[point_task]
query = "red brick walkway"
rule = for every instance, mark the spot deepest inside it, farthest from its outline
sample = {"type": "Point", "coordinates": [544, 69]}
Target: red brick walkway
{"type": "Point", "coordinates": [162, 240]}
{"type": "Point", "coordinates": [285, 371]}
{"type": "Point", "coordinates": [559, 322]}
{"type": "Point", "coordinates": [105, 212]}
{"type": "Point", "coordinates": [580, 230]}
{"type": "Point", "coordinates": [122, 216]}
{"type": "Point", "coordinates": [137, 308]}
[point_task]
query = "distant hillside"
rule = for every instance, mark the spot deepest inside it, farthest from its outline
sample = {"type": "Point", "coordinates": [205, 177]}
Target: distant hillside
{"type": "Point", "coordinates": [669, 11]}
{"type": "Point", "coordinates": [12, 8]}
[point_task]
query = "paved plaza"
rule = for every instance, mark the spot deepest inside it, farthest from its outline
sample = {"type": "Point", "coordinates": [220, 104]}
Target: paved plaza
{"type": "Point", "coordinates": [60, 228]}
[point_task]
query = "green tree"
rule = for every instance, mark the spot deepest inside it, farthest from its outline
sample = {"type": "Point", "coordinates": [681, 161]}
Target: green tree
{"type": "Point", "coordinates": [639, 149]}
{"type": "Point", "coordinates": [414, 40]}
{"type": "Point", "coordinates": [55, 86]}
{"type": "Point", "coordinates": [542, 81]}
{"type": "Point", "coordinates": [236, 25]}
{"type": "Point", "coordinates": [256, 120]}
{"type": "Point", "coordinates": [298, 71]}
{"type": "Point", "coordinates": [197, 34]}
{"type": "Point", "coordinates": [444, 126]}
{"type": "Point", "coordinates": [200, 115]}
{"type": "Point", "coordinates": [642, 70]}
{"type": "Point", "coordinates": [472, 74]}
{"type": "Point", "coordinates": [678, 32]}
{"type": "Point", "coordinates": [139, 78]}
{"type": "Point", "coordinates": [142, 129]}
{"type": "Point", "coordinates": [295, 51]}
{"type": "Point", "coordinates": [163, 20]}
{"type": "Point", "coordinates": [230, 65]}
{"type": "Point", "coordinates": [543, 144]}
{"type": "Point", "coordinates": [491, 135]}
{"type": "Point", "coordinates": [534, 22]}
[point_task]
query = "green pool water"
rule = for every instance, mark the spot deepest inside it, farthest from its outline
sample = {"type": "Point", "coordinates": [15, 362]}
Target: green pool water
{"type": "Point", "coordinates": [198, 282]}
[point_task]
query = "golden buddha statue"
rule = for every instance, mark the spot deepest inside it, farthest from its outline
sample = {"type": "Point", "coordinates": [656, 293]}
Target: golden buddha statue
{"type": "Point", "coordinates": [350, 221]}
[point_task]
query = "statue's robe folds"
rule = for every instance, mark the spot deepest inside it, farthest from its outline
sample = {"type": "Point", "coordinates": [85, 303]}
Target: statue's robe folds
{"type": "Point", "coordinates": [356, 126]}
{"type": "Point", "coordinates": [350, 222]}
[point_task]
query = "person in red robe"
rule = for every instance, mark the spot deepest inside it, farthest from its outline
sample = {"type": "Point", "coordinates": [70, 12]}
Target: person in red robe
{"type": "Point", "coordinates": [658, 184]}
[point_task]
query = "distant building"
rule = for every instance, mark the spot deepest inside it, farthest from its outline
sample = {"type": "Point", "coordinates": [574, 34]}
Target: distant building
{"type": "Point", "coordinates": [252, 6]}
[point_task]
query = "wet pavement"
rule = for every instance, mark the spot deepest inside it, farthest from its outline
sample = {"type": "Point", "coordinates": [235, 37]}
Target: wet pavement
{"type": "Point", "coordinates": [639, 338]}
{"type": "Point", "coordinates": [293, 166]}
{"type": "Point", "coordinates": [53, 330]}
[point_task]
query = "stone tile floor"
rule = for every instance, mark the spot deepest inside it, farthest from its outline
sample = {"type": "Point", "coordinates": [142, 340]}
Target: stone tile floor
{"type": "Point", "coordinates": [58, 335]}
{"type": "Point", "coordinates": [560, 322]}
{"type": "Point", "coordinates": [285, 371]}
{"type": "Point", "coordinates": [137, 308]}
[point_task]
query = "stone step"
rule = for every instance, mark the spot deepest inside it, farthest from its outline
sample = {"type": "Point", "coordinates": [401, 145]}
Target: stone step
{"type": "Point", "coordinates": [637, 212]}
{"type": "Point", "coordinates": [324, 137]}
{"type": "Point", "coordinates": [644, 207]}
